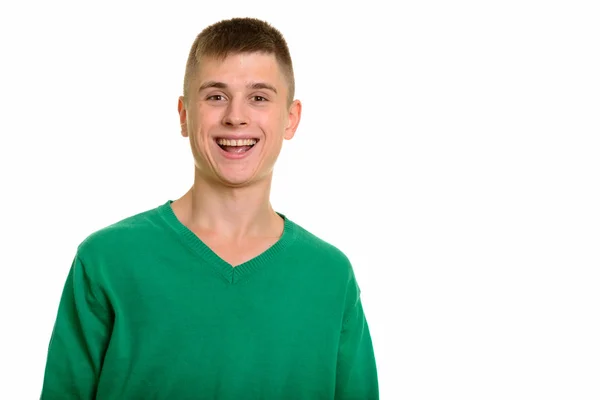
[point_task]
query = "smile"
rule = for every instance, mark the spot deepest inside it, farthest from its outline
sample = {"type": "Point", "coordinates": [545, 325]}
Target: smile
{"type": "Point", "coordinates": [236, 148]}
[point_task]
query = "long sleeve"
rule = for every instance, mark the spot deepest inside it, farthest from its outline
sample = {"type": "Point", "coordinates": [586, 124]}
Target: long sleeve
{"type": "Point", "coordinates": [79, 339]}
{"type": "Point", "coordinates": [356, 366]}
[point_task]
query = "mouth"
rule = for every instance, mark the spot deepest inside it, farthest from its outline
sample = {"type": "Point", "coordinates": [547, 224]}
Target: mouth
{"type": "Point", "coordinates": [236, 146]}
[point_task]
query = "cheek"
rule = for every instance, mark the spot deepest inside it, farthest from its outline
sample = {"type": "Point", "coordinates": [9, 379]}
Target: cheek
{"type": "Point", "coordinates": [205, 117]}
{"type": "Point", "coordinates": [197, 135]}
{"type": "Point", "coordinates": [273, 123]}
{"type": "Point", "coordinates": [200, 141]}
{"type": "Point", "coordinates": [202, 125]}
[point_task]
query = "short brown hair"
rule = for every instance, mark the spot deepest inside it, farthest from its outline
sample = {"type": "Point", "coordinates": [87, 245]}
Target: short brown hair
{"type": "Point", "coordinates": [239, 35]}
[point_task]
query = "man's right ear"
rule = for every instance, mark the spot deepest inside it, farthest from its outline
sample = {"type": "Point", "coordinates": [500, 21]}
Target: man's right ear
{"type": "Point", "coordinates": [182, 116]}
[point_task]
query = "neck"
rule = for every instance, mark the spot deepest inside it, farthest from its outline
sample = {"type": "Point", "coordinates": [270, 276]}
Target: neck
{"type": "Point", "coordinates": [229, 212]}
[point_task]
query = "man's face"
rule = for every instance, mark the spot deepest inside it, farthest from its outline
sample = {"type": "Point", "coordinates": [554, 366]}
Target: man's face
{"type": "Point", "coordinates": [237, 117]}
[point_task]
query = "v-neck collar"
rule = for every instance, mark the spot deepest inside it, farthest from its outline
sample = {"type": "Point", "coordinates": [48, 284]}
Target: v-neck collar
{"type": "Point", "coordinates": [227, 271]}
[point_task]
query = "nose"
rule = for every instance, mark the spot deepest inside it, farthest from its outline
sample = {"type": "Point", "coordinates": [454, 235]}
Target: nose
{"type": "Point", "coordinates": [235, 114]}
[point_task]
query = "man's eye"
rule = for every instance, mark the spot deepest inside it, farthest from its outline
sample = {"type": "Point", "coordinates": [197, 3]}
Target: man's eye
{"type": "Point", "coordinates": [259, 98]}
{"type": "Point", "coordinates": [217, 97]}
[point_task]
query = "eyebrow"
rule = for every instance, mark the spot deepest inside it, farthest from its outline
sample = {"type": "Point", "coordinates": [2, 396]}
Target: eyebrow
{"type": "Point", "coordinates": [221, 85]}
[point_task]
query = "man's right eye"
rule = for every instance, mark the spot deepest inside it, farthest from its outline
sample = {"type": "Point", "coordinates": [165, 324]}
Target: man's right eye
{"type": "Point", "coordinates": [216, 97]}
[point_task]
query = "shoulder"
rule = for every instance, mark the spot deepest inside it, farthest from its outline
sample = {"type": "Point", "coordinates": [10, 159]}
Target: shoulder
{"type": "Point", "coordinates": [129, 232]}
{"type": "Point", "coordinates": [319, 246]}
{"type": "Point", "coordinates": [321, 253]}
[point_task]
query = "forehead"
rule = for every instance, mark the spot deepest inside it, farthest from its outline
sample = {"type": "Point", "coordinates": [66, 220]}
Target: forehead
{"type": "Point", "coordinates": [241, 68]}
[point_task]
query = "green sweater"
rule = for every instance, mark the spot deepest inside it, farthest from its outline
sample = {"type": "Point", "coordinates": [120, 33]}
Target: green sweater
{"type": "Point", "coordinates": [149, 311]}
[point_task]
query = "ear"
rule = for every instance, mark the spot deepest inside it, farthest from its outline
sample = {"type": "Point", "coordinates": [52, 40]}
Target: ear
{"type": "Point", "coordinates": [294, 114]}
{"type": "Point", "coordinates": [182, 116]}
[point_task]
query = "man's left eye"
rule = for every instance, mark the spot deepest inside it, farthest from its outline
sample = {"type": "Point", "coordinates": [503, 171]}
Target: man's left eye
{"type": "Point", "coordinates": [260, 98]}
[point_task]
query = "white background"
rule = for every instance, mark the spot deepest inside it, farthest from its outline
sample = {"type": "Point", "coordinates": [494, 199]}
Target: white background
{"type": "Point", "coordinates": [451, 149]}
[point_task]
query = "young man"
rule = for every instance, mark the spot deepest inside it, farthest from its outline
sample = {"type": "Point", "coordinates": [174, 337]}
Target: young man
{"type": "Point", "coordinates": [215, 295]}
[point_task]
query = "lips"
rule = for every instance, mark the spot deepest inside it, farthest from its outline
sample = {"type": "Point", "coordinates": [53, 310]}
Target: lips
{"type": "Point", "coordinates": [236, 147]}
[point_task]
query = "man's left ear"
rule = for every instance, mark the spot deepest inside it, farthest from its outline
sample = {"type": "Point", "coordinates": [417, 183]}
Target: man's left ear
{"type": "Point", "coordinates": [294, 114]}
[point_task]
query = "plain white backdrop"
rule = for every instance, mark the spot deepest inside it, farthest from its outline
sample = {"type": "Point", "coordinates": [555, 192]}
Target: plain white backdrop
{"type": "Point", "coordinates": [450, 149]}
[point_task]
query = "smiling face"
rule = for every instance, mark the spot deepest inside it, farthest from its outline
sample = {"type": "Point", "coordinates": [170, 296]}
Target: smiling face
{"type": "Point", "coordinates": [236, 116]}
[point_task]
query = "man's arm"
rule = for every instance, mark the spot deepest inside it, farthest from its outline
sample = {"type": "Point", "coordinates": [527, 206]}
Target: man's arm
{"type": "Point", "coordinates": [356, 367]}
{"type": "Point", "coordinates": [79, 339]}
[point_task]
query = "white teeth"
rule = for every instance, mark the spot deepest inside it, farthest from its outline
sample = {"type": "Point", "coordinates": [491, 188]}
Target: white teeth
{"type": "Point", "coordinates": [239, 142]}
